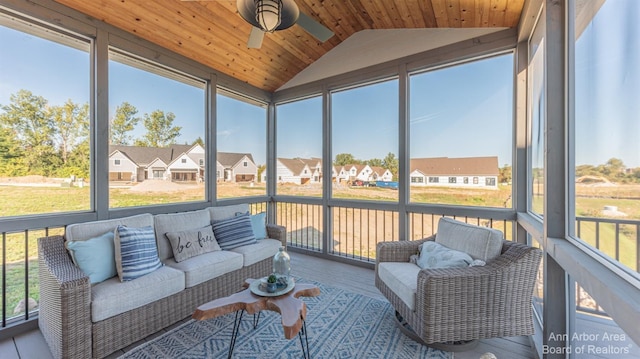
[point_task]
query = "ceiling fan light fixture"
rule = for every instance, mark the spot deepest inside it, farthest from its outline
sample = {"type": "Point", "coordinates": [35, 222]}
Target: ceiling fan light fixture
{"type": "Point", "coordinates": [268, 14]}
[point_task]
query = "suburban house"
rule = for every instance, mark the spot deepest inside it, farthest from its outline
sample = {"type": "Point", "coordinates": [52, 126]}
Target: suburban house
{"type": "Point", "coordinates": [137, 163]}
{"type": "Point", "coordinates": [178, 163]}
{"type": "Point", "coordinates": [353, 172]}
{"type": "Point", "coordinates": [236, 167]}
{"type": "Point", "coordinates": [299, 170]}
{"type": "Point", "coordinates": [455, 172]}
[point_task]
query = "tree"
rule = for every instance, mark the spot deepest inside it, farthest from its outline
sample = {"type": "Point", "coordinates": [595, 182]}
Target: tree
{"type": "Point", "coordinates": [374, 162]}
{"type": "Point", "coordinates": [160, 130]}
{"type": "Point", "coordinates": [390, 162]}
{"type": "Point", "coordinates": [614, 168]}
{"type": "Point", "coordinates": [343, 159]}
{"type": "Point", "coordinates": [261, 169]}
{"type": "Point", "coordinates": [123, 122]}
{"type": "Point", "coordinates": [28, 119]}
{"type": "Point", "coordinates": [505, 174]}
{"type": "Point", "coordinates": [71, 123]}
{"type": "Point", "coordinates": [198, 141]}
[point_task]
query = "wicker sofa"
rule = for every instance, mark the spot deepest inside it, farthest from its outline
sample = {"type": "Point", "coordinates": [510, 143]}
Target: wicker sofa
{"type": "Point", "coordinates": [83, 320]}
{"type": "Point", "coordinates": [451, 308]}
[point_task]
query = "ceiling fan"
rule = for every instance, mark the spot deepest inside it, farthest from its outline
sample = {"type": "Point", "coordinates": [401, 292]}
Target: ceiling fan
{"type": "Point", "coordinates": [274, 15]}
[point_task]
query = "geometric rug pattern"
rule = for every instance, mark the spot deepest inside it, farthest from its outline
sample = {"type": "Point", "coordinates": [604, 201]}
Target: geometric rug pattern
{"type": "Point", "coordinates": [340, 324]}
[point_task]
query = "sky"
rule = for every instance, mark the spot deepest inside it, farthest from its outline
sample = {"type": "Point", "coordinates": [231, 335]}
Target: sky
{"type": "Point", "coordinates": [460, 111]}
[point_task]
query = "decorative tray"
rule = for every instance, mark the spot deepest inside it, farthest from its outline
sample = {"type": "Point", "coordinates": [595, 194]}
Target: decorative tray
{"type": "Point", "coordinates": [259, 287]}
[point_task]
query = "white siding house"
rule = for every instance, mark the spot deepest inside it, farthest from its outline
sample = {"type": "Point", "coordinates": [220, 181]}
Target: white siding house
{"type": "Point", "coordinates": [122, 168]}
{"type": "Point", "coordinates": [479, 172]}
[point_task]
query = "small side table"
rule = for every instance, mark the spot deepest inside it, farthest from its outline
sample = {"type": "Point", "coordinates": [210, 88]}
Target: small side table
{"type": "Point", "coordinates": [291, 308]}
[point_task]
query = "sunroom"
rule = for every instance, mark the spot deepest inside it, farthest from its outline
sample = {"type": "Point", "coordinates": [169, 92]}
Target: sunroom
{"type": "Point", "coordinates": [520, 115]}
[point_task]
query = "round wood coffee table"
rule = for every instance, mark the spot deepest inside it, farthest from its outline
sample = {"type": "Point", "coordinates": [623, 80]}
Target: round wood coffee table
{"type": "Point", "coordinates": [291, 308]}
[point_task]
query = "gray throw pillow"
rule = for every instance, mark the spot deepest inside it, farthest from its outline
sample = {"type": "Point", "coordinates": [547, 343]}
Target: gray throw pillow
{"type": "Point", "coordinates": [435, 255]}
{"type": "Point", "coordinates": [187, 244]}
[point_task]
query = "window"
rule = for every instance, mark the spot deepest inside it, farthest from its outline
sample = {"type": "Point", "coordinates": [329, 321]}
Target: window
{"type": "Point", "coordinates": [155, 113]}
{"type": "Point", "coordinates": [475, 180]}
{"type": "Point", "coordinates": [457, 135]}
{"type": "Point", "coordinates": [364, 124]}
{"type": "Point", "coordinates": [607, 131]}
{"type": "Point", "coordinates": [201, 162]}
{"type": "Point", "coordinates": [417, 180]}
{"type": "Point", "coordinates": [241, 145]}
{"type": "Point", "coordinates": [116, 162]}
{"type": "Point", "coordinates": [536, 121]}
{"type": "Point", "coordinates": [434, 179]}
{"type": "Point", "coordinates": [490, 181]}
{"type": "Point", "coordinates": [44, 119]}
{"type": "Point", "coordinates": [465, 180]}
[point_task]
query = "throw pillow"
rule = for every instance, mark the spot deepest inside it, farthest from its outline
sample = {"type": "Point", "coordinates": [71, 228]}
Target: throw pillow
{"type": "Point", "coordinates": [234, 232]}
{"type": "Point", "coordinates": [435, 255]}
{"type": "Point", "coordinates": [136, 252]}
{"type": "Point", "coordinates": [187, 244]}
{"type": "Point", "coordinates": [95, 257]}
{"type": "Point", "coordinates": [259, 225]}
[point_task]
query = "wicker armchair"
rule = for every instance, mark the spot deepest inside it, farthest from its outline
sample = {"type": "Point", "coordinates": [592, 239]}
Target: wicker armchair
{"type": "Point", "coordinates": [454, 307]}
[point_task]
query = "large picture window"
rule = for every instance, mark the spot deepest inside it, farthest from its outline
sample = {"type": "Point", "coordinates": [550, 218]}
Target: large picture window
{"type": "Point", "coordinates": [364, 122]}
{"type": "Point", "coordinates": [299, 151]}
{"type": "Point", "coordinates": [44, 120]}
{"type": "Point", "coordinates": [607, 131]}
{"type": "Point", "coordinates": [156, 134]}
{"type": "Point", "coordinates": [241, 146]}
{"type": "Point", "coordinates": [451, 142]}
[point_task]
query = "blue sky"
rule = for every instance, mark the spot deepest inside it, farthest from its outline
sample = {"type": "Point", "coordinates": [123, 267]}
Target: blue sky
{"type": "Point", "coordinates": [460, 111]}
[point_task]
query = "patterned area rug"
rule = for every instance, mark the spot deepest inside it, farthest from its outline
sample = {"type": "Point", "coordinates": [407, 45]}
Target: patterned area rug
{"type": "Point", "coordinates": [340, 324]}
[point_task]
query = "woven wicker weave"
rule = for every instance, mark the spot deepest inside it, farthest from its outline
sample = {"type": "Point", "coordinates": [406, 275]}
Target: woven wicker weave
{"type": "Point", "coordinates": [461, 304]}
{"type": "Point", "coordinates": [65, 304]}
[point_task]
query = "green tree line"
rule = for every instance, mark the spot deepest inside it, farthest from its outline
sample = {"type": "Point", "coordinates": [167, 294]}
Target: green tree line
{"type": "Point", "coordinates": [37, 138]}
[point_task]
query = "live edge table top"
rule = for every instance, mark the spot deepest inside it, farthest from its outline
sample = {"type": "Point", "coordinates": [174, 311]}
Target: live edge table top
{"type": "Point", "coordinates": [291, 308]}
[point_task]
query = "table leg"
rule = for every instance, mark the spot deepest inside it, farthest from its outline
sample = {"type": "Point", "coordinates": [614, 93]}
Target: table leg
{"type": "Point", "coordinates": [256, 319]}
{"type": "Point", "coordinates": [234, 335]}
{"type": "Point", "coordinates": [303, 333]}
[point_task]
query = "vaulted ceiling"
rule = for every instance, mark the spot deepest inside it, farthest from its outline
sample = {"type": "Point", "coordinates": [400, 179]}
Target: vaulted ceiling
{"type": "Point", "coordinates": [212, 32]}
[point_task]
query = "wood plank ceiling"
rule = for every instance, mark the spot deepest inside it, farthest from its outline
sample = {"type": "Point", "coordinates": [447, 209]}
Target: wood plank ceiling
{"type": "Point", "coordinates": [213, 33]}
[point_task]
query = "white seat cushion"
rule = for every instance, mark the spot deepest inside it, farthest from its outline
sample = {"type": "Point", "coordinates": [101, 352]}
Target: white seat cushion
{"type": "Point", "coordinates": [402, 279]}
{"type": "Point", "coordinates": [225, 212]}
{"type": "Point", "coordinates": [262, 249]}
{"type": "Point", "coordinates": [112, 297]}
{"type": "Point", "coordinates": [207, 266]}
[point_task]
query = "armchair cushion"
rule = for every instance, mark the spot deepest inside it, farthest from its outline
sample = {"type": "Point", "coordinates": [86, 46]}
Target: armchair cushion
{"type": "Point", "coordinates": [479, 242]}
{"type": "Point", "coordinates": [435, 255]}
{"type": "Point", "coordinates": [402, 279]}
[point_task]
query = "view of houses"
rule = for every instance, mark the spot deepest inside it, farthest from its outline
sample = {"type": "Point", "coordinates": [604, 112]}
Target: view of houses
{"type": "Point", "coordinates": [185, 163]}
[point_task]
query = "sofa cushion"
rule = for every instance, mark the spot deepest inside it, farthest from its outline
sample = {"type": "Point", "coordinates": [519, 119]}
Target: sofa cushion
{"type": "Point", "coordinates": [402, 279]}
{"type": "Point", "coordinates": [479, 242]}
{"type": "Point", "coordinates": [86, 230]}
{"type": "Point", "coordinates": [224, 212]}
{"type": "Point", "coordinates": [259, 225]}
{"type": "Point", "coordinates": [177, 222]}
{"type": "Point", "coordinates": [234, 232]}
{"type": "Point", "coordinates": [435, 255]}
{"type": "Point", "coordinates": [262, 249]}
{"type": "Point", "coordinates": [136, 253]}
{"type": "Point", "coordinates": [95, 257]}
{"type": "Point", "coordinates": [207, 266]}
{"type": "Point", "coordinates": [113, 297]}
{"type": "Point", "coordinates": [187, 244]}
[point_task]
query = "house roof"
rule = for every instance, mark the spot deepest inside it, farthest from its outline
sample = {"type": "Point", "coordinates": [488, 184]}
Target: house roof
{"type": "Point", "coordinates": [295, 165]}
{"type": "Point", "coordinates": [464, 166]}
{"type": "Point", "coordinates": [230, 159]}
{"type": "Point", "coordinates": [143, 156]}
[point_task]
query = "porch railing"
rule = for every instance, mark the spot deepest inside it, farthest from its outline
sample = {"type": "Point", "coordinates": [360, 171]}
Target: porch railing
{"type": "Point", "coordinates": [356, 230]}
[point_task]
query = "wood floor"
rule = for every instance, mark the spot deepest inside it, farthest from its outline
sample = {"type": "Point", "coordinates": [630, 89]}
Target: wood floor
{"type": "Point", "coordinates": [356, 279]}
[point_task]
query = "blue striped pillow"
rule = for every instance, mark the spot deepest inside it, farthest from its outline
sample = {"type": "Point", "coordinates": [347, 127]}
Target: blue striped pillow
{"type": "Point", "coordinates": [136, 252]}
{"type": "Point", "coordinates": [234, 232]}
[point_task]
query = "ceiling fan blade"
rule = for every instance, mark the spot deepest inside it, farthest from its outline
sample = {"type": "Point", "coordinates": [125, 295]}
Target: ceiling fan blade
{"type": "Point", "coordinates": [255, 38]}
{"type": "Point", "coordinates": [315, 28]}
